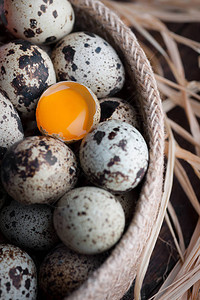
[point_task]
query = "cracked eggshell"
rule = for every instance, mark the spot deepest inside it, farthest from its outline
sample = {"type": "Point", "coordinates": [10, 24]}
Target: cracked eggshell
{"type": "Point", "coordinates": [114, 156]}
{"type": "Point", "coordinates": [41, 22]}
{"type": "Point", "coordinates": [29, 226]}
{"type": "Point", "coordinates": [57, 279]}
{"type": "Point", "coordinates": [89, 220]}
{"type": "Point", "coordinates": [39, 170]}
{"type": "Point", "coordinates": [26, 71]}
{"type": "Point", "coordinates": [18, 274]}
{"type": "Point", "coordinates": [113, 108]}
{"type": "Point", "coordinates": [11, 130]}
{"type": "Point", "coordinates": [87, 58]}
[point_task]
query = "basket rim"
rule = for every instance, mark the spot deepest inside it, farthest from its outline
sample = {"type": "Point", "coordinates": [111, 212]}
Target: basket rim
{"type": "Point", "coordinates": [99, 285]}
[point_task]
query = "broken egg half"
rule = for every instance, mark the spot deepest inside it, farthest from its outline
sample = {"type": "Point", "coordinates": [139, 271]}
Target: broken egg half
{"type": "Point", "coordinates": [67, 110]}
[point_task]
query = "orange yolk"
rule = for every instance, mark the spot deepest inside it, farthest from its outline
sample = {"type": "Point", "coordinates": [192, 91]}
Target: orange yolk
{"type": "Point", "coordinates": [66, 110]}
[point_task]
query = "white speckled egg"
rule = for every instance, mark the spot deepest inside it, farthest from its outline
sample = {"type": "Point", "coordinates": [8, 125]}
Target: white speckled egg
{"type": "Point", "coordinates": [114, 156]}
{"type": "Point", "coordinates": [18, 274]}
{"type": "Point", "coordinates": [87, 58]}
{"type": "Point", "coordinates": [41, 21]}
{"type": "Point", "coordinates": [29, 226]}
{"type": "Point", "coordinates": [63, 270]}
{"type": "Point", "coordinates": [25, 72]}
{"type": "Point", "coordinates": [38, 170]}
{"type": "Point", "coordinates": [11, 130]}
{"type": "Point", "coordinates": [113, 108]}
{"type": "Point", "coordinates": [89, 220]}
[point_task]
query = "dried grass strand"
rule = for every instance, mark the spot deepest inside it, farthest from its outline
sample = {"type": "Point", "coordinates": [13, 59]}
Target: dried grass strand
{"type": "Point", "coordinates": [180, 286]}
{"type": "Point", "coordinates": [166, 13]}
{"type": "Point", "coordinates": [178, 267]}
{"type": "Point", "coordinates": [177, 226]}
{"type": "Point", "coordinates": [182, 132]}
{"type": "Point", "coordinates": [174, 236]}
{"type": "Point", "coordinates": [176, 86]}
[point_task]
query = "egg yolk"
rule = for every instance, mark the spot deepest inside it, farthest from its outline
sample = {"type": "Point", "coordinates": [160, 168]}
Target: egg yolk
{"type": "Point", "coordinates": [66, 111]}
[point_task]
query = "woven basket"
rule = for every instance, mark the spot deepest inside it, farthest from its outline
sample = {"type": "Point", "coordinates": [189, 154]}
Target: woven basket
{"type": "Point", "coordinates": [115, 276]}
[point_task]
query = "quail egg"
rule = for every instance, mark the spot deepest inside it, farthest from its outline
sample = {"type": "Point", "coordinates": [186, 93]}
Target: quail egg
{"type": "Point", "coordinates": [87, 58]}
{"type": "Point", "coordinates": [39, 169]}
{"type": "Point", "coordinates": [29, 226]}
{"type": "Point", "coordinates": [89, 220]}
{"type": "Point", "coordinates": [114, 156]}
{"type": "Point", "coordinates": [11, 130]}
{"type": "Point", "coordinates": [67, 110]}
{"type": "Point", "coordinates": [113, 108]}
{"type": "Point", "coordinates": [26, 71]}
{"type": "Point", "coordinates": [63, 270]}
{"type": "Point", "coordinates": [41, 21]}
{"type": "Point", "coordinates": [17, 273]}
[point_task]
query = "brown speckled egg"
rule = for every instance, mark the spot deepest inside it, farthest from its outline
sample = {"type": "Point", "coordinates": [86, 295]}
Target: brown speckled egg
{"type": "Point", "coordinates": [113, 108]}
{"type": "Point", "coordinates": [89, 220]}
{"type": "Point", "coordinates": [114, 156]}
{"type": "Point", "coordinates": [87, 58]}
{"type": "Point", "coordinates": [41, 21]}
{"type": "Point", "coordinates": [63, 270]}
{"type": "Point", "coordinates": [17, 273]}
{"type": "Point", "coordinates": [39, 170]}
{"type": "Point", "coordinates": [11, 130]}
{"type": "Point", "coordinates": [26, 71]}
{"type": "Point", "coordinates": [29, 226]}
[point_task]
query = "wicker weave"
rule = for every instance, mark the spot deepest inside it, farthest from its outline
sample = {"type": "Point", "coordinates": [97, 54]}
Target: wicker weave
{"type": "Point", "coordinates": [115, 276]}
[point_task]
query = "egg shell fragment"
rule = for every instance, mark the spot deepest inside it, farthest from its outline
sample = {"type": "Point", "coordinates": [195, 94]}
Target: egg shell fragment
{"type": "Point", "coordinates": [113, 108]}
{"type": "Point", "coordinates": [41, 22]}
{"type": "Point", "coordinates": [89, 220]}
{"type": "Point", "coordinates": [18, 274]}
{"type": "Point", "coordinates": [87, 58]}
{"type": "Point", "coordinates": [57, 279]}
{"type": "Point", "coordinates": [11, 130]}
{"type": "Point", "coordinates": [29, 226]}
{"type": "Point", "coordinates": [39, 170]}
{"type": "Point", "coordinates": [26, 71]}
{"type": "Point", "coordinates": [114, 156]}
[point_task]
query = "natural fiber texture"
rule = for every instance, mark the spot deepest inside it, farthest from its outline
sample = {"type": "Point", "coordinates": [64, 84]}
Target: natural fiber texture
{"type": "Point", "coordinates": [115, 276]}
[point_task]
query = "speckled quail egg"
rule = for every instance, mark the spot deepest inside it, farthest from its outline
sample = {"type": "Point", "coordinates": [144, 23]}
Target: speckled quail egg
{"type": "Point", "coordinates": [87, 58]}
{"type": "Point", "coordinates": [38, 170]}
{"type": "Point", "coordinates": [11, 130]}
{"type": "Point", "coordinates": [113, 108]}
{"type": "Point", "coordinates": [26, 71]}
{"type": "Point", "coordinates": [89, 220]}
{"type": "Point", "coordinates": [41, 21]}
{"type": "Point", "coordinates": [63, 270]}
{"type": "Point", "coordinates": [114, 156]}
{"type": "Point", "coordinates": [29, 226]}
{"type": "Point", "coordinates": [18, 274]}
